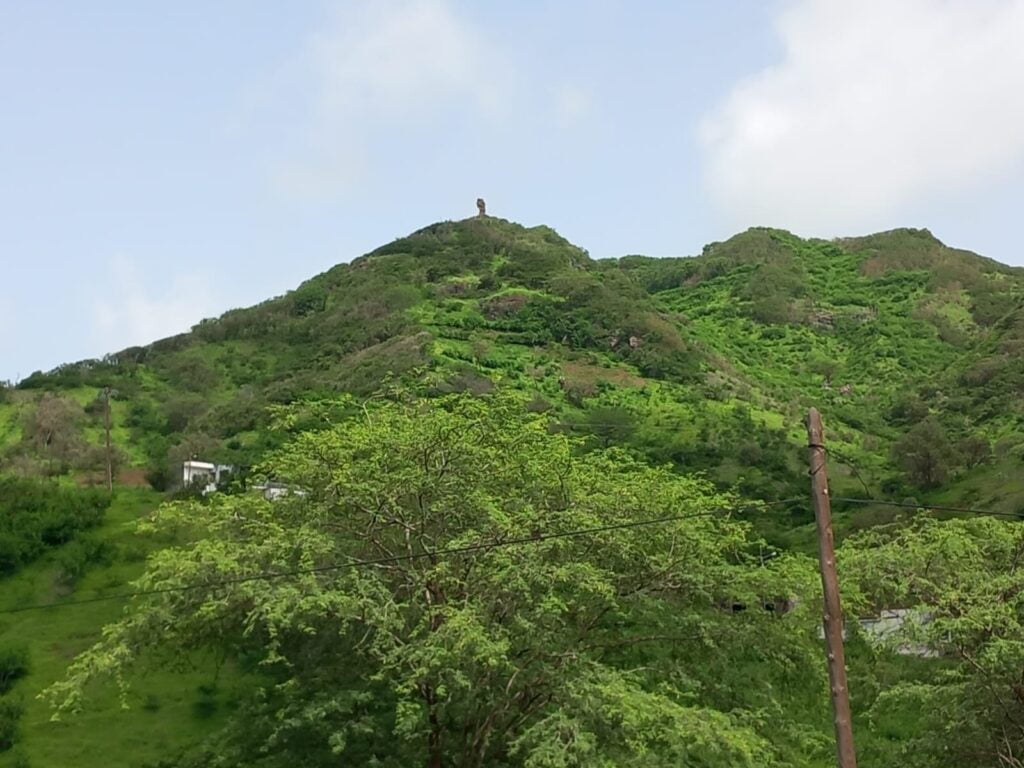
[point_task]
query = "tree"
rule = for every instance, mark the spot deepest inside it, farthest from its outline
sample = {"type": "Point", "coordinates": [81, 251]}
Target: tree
{"type": "Point", "coordinates": [964, 580]}
{"type": "Point", "coordinates": [907, 410]}
{"type": "Point", "coordinates": [616, 647]}
{"type": "Point", "coordinates": [975, 450]}
{"type": "Point", "coordinates": [310, 298]}
{"type": "Point", "coordinates": [771, 290]}
{"type": "Point", "coordinates": [93, 460]}
{"type": "Point", "coordinates": [824, 366]}
{"type": "Point", "coordinates": [181, 411]}
{"type": "Point", "coordinates": [925, 454]}
{"type": "Point", "coordinates": [51, 431]}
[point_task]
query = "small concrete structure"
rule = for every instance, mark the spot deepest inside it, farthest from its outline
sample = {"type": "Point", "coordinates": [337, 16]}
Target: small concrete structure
{"type": "Point", "coordinates": [886, 629]}
{"type": "Point", "coordinates": [273, 491]}
{"type": "Point", "coordinates": [887, 626]}
{"type": "Point", "coordinates": [203, 473]}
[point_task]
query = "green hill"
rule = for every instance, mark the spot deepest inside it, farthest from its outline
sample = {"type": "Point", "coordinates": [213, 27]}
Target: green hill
{"type": "Point", "coordinates": [913, 351]}
{"type": "Point", "coordinates": [708, 363]}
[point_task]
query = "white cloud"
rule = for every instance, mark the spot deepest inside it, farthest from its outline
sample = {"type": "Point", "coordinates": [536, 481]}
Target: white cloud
{"type": "Point", "coordinates": [399, 57]}
{"type": "Point", "coordinates": [126, 312]}
{"type": "Point", "coordinates": [875, 106]}
{"type": "Point", "coordinates": [388, 68]}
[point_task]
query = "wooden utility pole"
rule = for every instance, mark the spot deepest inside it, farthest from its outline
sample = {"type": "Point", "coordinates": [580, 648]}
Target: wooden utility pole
{"type": "Point", "coordinates": [106, 429]}
{"type": "Point", "coordinates": [833, 617]}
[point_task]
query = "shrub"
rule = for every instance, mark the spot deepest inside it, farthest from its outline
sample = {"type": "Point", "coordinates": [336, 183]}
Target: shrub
{"type": "Point", "coordinates": [906, 411]}
{"type": "Point", "coordinates": [77, 556]}
{"type": "Point", "coordinates": [37, 514]}
{"type": "Point", "coordinates": [206, 704]}
{"type": "Point", "coordinates": [309, 299]}
{"type": "Point", "coordinates": [893, 485]}
{"type": "Point", "coordinates": [925, 454]}
{"type": "Point", "coordinates": [10, 713]}
{"type": "Point", "coordinates": [13, 666]}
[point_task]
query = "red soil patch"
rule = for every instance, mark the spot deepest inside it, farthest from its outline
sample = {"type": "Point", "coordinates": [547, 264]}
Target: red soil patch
{"type": "Point", "coordinates": [133, 477]}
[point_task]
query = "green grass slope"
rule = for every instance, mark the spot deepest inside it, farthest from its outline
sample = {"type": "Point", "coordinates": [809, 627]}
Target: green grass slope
{"type": "Point", "coordinates": [173, 702]}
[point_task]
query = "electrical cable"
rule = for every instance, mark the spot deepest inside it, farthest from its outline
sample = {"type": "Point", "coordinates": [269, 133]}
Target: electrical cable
{"type": "Point", "coordinates": [931, 507]}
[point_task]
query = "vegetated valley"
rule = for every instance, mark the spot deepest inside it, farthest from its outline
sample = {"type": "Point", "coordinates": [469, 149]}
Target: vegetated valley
{"type": "Point", "coordinates": [479, 386]}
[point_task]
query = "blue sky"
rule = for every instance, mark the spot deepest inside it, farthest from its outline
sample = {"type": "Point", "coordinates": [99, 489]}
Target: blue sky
{"type": "Point", "coordinates": [162, 163]}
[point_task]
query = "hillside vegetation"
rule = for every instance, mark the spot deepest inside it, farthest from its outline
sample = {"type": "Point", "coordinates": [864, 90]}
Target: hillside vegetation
{"type": "Point", "coordinates": [643, 386]}
{"type": "Point", "coordinates": [912, 350]}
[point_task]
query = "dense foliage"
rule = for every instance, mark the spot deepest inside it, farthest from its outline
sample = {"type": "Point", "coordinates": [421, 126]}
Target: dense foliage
{"type": "Point", "coordinates": [36, 514]}
{"type": "Point", "coordinates": [912, 350]}
{"type": "Point", "coordinates": [617, 647]}
{"type": "Point", "coordinates": [964, 580]}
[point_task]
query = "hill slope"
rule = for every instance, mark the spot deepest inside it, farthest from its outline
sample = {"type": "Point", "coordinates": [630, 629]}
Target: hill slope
{"type": "Point", "coordinates": [706, 362]}
{"type": "Point", "coordinates": [912, 350]}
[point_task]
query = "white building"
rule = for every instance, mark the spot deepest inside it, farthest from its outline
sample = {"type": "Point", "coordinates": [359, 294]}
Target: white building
{"type": "Point", "coordinates": [888, 626]}
{"type": "Point", "coordinates": [204, 474]}
{"type": "Point", "coordinates": [272, 491]}
{"type": "Point", "coordinates": [888, 629]}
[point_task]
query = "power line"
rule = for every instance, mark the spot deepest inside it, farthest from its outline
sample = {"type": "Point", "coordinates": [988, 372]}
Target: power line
{"type": "Point", "coordinates": [495, 544]}
{"type": "Point", "coordinates": [931, 507]}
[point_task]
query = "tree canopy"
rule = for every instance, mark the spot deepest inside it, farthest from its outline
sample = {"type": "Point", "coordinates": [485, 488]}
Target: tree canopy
{"type": "Point", "coordinates": [964, 583]}
{"type": "Point", "coordinates": [627, 645]}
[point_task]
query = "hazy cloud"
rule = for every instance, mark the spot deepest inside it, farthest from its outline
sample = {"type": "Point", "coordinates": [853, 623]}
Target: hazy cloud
{"type": "Point", "coordinates": [398, 57]}
{"type": "Point", "coordinates": [130, 312]}
{"type": "Point", "coordinates": [389, 67]}
{"type": "Point", "coordinates": [875, 105]}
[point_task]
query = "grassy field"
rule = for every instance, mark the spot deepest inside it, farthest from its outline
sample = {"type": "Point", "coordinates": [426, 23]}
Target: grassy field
{"type": "Point", "coordinates": [10, 420]}
{"type": "Point", "coordinates": [170, 704]}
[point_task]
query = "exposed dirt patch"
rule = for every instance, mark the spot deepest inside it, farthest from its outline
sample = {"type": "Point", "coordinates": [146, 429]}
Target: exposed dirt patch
{"type": "Point", "coordinates": [135, 477]}
{"type": "Point", "coordinates": [132, 477]}
{"type": "Point", "coordinates": [584, 373]}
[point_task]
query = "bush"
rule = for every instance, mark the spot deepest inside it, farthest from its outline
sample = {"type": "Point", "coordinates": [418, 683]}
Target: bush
{"type": "Point", "coordinates": [309, 299]}
{"type": "Point", "coordinates": [37, 514]}
{"type": "Point", "coordinates": [906, 411]}
{"type": "Point", "coordinates": [893, 486]}
{"type": "Point", "coordinates": [206, 705]}
{"type": "Point", "coordinates": [10, 712]}
{"type": "Point", "coordinates": [77, 556]}
{"type": "Point", "coordinates": [925, 454]}
{"type": "Point", "coordinates": [13, 666]}
{"type": "Point", "coordinates": [161, 476]}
